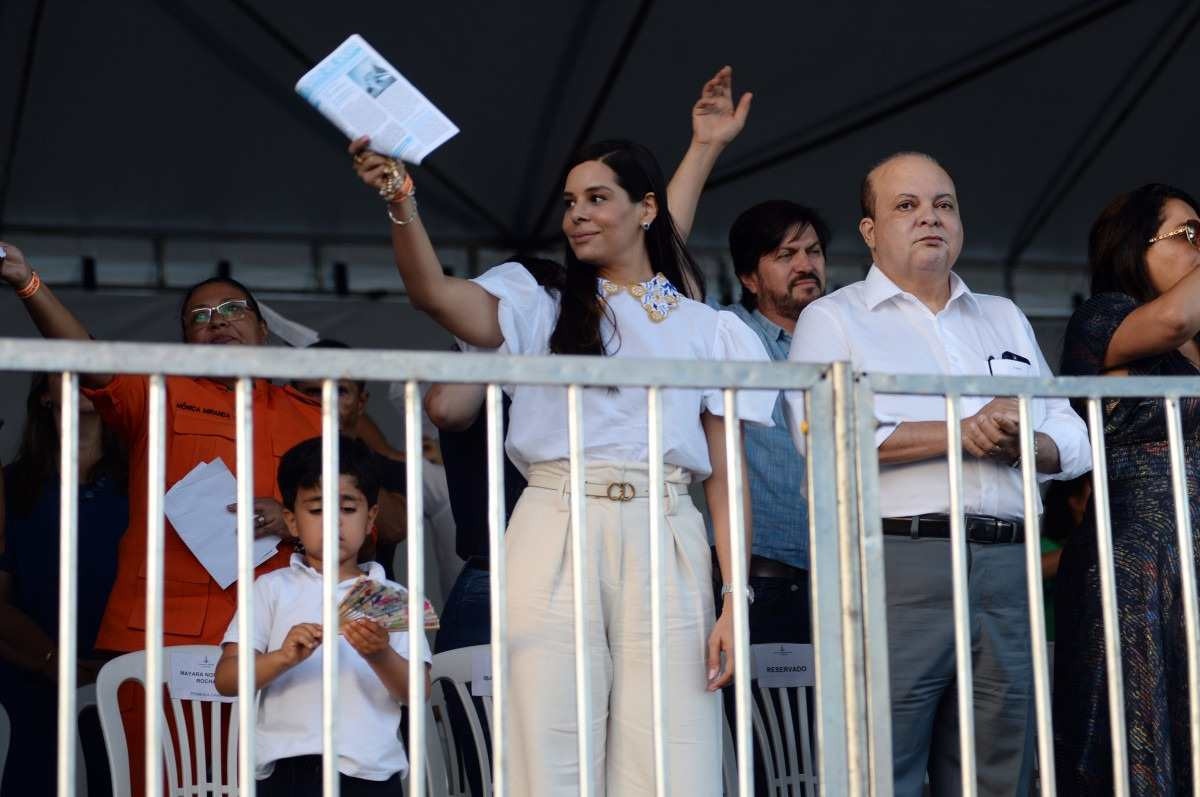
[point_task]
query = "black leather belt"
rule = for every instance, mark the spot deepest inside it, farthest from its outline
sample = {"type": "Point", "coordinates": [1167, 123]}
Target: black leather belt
{"type": "Point", "coordinates": [478, 563]}
{"type": "Point", "coordinates": [980, 528]}
{"type": "Point", "coordinates": [762, 567]}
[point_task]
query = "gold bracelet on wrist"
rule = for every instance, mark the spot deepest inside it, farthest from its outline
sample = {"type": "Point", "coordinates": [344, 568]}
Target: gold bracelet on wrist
{"type": "Point", "coordinates": [411, 216]}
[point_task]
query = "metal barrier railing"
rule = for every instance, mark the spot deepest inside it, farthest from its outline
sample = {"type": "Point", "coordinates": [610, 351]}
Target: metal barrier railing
{"type": "Point", "coordinates": [576, 374]}
{"type": "Point", "coordinates": [1025, 390]}
{"type": "Point", "coordinates": [852, 700]}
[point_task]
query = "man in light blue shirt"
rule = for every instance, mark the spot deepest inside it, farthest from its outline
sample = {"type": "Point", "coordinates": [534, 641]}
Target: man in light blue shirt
{"type": "Point", "coordinates": [778, 250]}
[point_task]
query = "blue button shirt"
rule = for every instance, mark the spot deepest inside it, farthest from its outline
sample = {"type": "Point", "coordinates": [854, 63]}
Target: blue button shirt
{"type": "Point", "coordinates": [778, 481]}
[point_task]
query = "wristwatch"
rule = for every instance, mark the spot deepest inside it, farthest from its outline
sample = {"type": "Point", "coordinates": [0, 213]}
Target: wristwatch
{"type": "Point", "coordinates": [727, 589]}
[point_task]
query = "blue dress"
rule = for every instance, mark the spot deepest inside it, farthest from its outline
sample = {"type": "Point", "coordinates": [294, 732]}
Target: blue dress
{"type": "Point", "coordinates": [1149, 598]}
{"type": "Point", "coordinates": [31, 558]}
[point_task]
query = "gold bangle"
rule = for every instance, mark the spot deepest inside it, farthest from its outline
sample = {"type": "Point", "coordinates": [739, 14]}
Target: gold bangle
{"type": "Point", "coordinates": [411, 216]}
{"type": "Point", "coordinates": [31, 287]}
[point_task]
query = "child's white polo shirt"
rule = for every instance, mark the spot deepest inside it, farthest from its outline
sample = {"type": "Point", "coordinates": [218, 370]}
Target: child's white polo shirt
{"type": "Point", "coordinates": [289, 708]}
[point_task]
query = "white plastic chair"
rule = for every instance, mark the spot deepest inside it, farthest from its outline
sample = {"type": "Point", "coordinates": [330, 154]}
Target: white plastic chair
{"type": "Point", "coordinates": [203, 772]}
{"type": "Point", "coordinates": [436, 776]}
{"type": "Point", "coordinates": [788, 761]}
{"type": "Point", "coordinates": [453, 673]}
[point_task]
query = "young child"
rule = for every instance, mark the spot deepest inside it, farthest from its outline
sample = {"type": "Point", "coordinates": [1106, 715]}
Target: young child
{"type": "Point", "coordinates": [372, 668]}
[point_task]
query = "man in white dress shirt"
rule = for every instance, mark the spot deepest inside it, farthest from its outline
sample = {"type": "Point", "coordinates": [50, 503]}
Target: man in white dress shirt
{"type": "Point", "coordinates": [912, 314]}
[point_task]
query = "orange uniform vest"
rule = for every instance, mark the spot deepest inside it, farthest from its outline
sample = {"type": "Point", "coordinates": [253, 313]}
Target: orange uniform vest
{"type": "Point", "coordinates": [199, 428]}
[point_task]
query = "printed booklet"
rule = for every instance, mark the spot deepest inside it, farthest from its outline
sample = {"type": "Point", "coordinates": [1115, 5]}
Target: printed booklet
{"type": "Point", "coordinates": [364, 95]}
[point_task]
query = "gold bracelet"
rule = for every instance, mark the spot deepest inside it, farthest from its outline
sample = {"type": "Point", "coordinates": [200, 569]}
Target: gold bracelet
{"type": "Point", "coordinates": [31, 287]}
{"type": "Point", "coordinates": [411, 216]}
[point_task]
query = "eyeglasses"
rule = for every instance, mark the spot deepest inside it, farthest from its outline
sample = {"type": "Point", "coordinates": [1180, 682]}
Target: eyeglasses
{"type": "Point", "coordinates": [231, 310]}
{"type": "Point", "coordinates": [1190, 228]}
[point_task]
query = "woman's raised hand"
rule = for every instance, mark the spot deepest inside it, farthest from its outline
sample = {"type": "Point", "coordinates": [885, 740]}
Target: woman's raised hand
{"type": "Point", "coordinates": [13, 268]}
{"type": "Point", "coordinates": [371, 167]}
{"type": "Point", "coordinates": [715, 119]}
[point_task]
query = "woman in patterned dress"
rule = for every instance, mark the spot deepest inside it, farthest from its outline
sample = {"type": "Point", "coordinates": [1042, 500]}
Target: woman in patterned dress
{"type": "Point", "coordinates": [1142, 320]}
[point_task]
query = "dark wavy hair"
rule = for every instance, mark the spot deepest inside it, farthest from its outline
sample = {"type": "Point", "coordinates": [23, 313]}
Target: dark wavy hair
{"type": "Point", "coordinates": [301, 466]}
{"type": "Point", "coordinates": [1120, 237]}
{"type": "Point", "coordinates": [231, 282]}
{"type": "Point", "coordinates": [762, 228]}
{"type": "Point", "coordinates": [582, 309]}
{"type": "Point", "coordinates": [37, 459]}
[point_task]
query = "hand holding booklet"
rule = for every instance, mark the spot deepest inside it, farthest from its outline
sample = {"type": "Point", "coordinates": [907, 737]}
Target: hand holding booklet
{"type": "Point", "coordinates": [364, 95]}
{"type": "Point", "coordinates": [196, 506]}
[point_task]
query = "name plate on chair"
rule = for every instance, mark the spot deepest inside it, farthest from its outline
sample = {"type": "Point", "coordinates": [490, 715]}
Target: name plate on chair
{"type": "Point", "coordinates": [481, 671]}
{"type": "Point", "coordinates": [783, 665]}
{"type": "Point", "coordinates": [192, 676]}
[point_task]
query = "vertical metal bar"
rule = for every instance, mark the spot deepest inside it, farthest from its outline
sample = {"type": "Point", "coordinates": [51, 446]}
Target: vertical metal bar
{"type": "Point", "coordinates": [874, 595]}
{"type": "Point", "coordinates": [1187, 575]}
{"type": "Point", "coordinates": [962, 611]}
{"type": "Point", "coordinates": [414, 459]}
{"type": "Point", "coordinates": [330, 479]}
{"type": "Point", "coordinates": [741, 609]}
{"type": "Point", "coordinates": [1033, 582]}
{"type": "Point", "coordinates": [583, 675]}
{"type": "Point", "coordinates": [155, 530]}
{"type": "Point", "coordinates": [1108, 601]}
{"type": "Point", "coordinates": [68, 581]}
{"type": "Point", "coordinates": [246, 705]}
{"type": "Point", "coordinates": [497, 511]}
{"type": "Point", "coordinates": [824, 590]}
{"type": "Point", "coordinates": [854, 665]}
{"type": "Point", "coordinates": [658, 628]}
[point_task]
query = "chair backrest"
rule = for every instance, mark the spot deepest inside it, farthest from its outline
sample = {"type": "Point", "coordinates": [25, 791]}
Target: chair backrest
{"type": "Point", "coordinates": [437, 778]}
{"type": "Point", "coordinates": [780, 715]}
{"type": "Point", "coordinates": [453, 676]}
{"type": "Point", "coordinates": [194, 738]}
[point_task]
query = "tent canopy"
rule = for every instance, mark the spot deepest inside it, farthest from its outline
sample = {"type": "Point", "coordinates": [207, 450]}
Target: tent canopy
{"type": "Point", "coordinates": [178, 117]}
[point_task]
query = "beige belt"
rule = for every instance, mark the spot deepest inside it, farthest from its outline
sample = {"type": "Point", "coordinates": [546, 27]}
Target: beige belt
{"type": "Point", "coordinates": [613, 491]}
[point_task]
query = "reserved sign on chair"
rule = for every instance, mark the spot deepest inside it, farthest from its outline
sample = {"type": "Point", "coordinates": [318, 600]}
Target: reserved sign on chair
{"type": "Point", "coordinates": [783, 665]}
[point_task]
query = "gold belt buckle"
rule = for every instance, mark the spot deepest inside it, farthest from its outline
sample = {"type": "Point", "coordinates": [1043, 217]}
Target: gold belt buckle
{"type": "Point", "coordinates": [621, 491]}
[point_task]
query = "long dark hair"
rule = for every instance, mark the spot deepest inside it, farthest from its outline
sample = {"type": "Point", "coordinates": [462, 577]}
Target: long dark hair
{"type": "Point", "coordinates": [38, 457]}
{"type": "Point", "coordinates": [582, 309]}
{"type": "Point", "coordinates": [1120, 237]}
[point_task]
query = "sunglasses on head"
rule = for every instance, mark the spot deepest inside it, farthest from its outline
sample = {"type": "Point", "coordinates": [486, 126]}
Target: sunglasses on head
{"type": "Point", "coordinates": [1190, 229]}
{"type": "Point", "coordinates": [231, 310]}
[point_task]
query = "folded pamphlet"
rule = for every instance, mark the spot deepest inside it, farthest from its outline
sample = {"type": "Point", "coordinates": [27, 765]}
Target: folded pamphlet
{"type": "Point", "coordinates": [364, 95]}
{"type": "Point", "coordinates": [196, 506]}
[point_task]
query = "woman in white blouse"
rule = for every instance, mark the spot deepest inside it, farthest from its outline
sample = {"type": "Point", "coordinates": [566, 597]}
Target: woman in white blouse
{"type": "Point", "coordinates": [630, 289]}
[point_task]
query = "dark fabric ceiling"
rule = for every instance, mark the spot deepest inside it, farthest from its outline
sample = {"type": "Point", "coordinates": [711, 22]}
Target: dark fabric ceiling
{"type": "Point", "coordinates": [166, 116]}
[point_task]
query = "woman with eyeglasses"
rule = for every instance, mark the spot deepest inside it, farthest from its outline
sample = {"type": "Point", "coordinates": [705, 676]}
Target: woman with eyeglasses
{"type": "Point", "coordinates": [1142, 319]}
{"type": "Point", "coordinates": [199, 428]}
{"type": "Point", "coordinates": [629, 289]}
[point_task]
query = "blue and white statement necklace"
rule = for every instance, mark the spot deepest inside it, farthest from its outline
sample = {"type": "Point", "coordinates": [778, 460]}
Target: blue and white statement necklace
{"type": "Point", "coordinates": [657, 296]}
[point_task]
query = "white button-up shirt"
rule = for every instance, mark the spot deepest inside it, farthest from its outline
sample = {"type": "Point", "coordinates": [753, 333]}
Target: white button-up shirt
{"type": "Point", "coordinates": [614, 422]}
{"type": "Point", "coordinates": [880, 328]}
{"type": "Point", "coordinates": [289, 708]}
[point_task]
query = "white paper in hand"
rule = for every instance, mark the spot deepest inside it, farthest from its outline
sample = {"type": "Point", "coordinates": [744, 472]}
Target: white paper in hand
{"type": "Point", "coordinates": [364, 95]}
{"type": "Point", "coordinates": [196, 506]}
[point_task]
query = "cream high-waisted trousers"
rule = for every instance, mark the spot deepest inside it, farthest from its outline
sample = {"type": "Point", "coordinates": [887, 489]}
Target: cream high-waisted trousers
{"type": "Point", "coordinates": [544, 755]}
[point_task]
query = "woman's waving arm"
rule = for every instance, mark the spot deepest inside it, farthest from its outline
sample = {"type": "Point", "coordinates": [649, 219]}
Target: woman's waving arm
{"type": "Point", "coordinates": [463, 308]}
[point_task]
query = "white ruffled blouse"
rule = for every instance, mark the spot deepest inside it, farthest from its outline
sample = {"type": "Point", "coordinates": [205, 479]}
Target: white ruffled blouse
{"type": "Point", "coordinates": [614, 422]}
